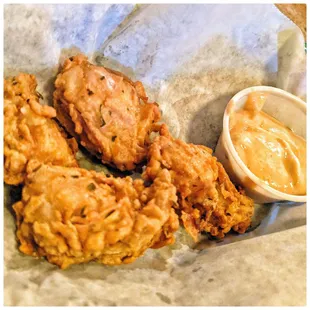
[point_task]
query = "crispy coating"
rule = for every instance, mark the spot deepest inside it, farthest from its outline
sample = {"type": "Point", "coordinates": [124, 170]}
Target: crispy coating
{"type": "Point", "coordinates": [108, 113]}
{"type": "Point", "coordinates": [72, 215]}
{"type": "Point", "coordinates": [29, 131]}
{"type": "Point", "coordinates": [207, 199]}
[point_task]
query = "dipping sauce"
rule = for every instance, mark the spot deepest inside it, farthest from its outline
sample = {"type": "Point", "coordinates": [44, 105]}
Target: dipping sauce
{"type": "Point", "coordinates": [272, 151]}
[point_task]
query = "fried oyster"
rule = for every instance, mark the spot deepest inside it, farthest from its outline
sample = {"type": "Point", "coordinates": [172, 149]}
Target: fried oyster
{"type": "Point", "coordinates": [72, 215]}
{"type": "Point", "coordinates": [207, 199]}
{"type": "Point", "coordinates": [29, 131]}
{"type": "Point", "coordinates": [105, 111]}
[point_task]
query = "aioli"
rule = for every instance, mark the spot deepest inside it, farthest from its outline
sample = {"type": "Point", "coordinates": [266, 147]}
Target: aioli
{"type": "Point", "coordinates": [272, 151]}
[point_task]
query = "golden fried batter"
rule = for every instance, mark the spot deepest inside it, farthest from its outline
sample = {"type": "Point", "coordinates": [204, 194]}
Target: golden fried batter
{"type": "Point", "coordinates": [72, 215]}
{"type": "Point", "coordinates": [107, 112]}
{"type": "Point", "coordinates": [208, 201]}
{"type": "Point", "coordinates": [29, 131]}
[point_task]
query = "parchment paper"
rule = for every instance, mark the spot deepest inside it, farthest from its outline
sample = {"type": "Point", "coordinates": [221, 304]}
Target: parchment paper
{"type": "Point", "coordinates": [192, 59]}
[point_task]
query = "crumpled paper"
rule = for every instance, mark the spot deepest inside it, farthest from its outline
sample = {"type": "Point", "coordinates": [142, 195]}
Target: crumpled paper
{"type": "Point", "coordinates": [192, 59]}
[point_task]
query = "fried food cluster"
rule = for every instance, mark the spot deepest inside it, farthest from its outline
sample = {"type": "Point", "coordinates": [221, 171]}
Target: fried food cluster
{"type": "Point", "coordinates": [207, 200]}
{"type": "Point", "coordinates": [30, 132]}
{"type": "Point", "coordinates": [72, 215]}
{"type": "Point", "coordinates": [108, 113]}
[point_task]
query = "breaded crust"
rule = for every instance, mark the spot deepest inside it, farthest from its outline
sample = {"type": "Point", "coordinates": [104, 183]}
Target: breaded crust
{"type": "Point", "coordinates": [30, 132]}
{"type": "Point", "coordinates": [207, 199]}
{"type": "Point", "coordinates": [105, 111]}
{"type": "Point", "coordinates": [72, 215]}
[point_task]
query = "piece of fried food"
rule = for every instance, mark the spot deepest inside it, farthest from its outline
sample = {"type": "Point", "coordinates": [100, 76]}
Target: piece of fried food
{"type": "Point", "coordinates": [108, 113]}
{"type": "Point", "coordinates": [72, 215]}
{"type": "Point", "coordinates": [208, 201]}
{"type": "Point", "coordinates": [29, 131]}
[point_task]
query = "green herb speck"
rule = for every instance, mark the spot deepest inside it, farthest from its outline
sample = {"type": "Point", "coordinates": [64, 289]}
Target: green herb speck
{"type": "Point", "coordinates": [111, 212]}
{"type": "Point", "coordinates": [82, 212]}
{"type": "Point", "coordinates": [37, 168]}
{"type": "Point", "coordinates": [39, 95]}
{"type": "Point", "coordinates": [101, 118]}
{"type": "Point", "coordinates": [91, 187]}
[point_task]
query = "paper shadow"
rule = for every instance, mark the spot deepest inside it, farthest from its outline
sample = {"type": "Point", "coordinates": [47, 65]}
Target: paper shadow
{"type": "Point", "coordinates": [208, 120]}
